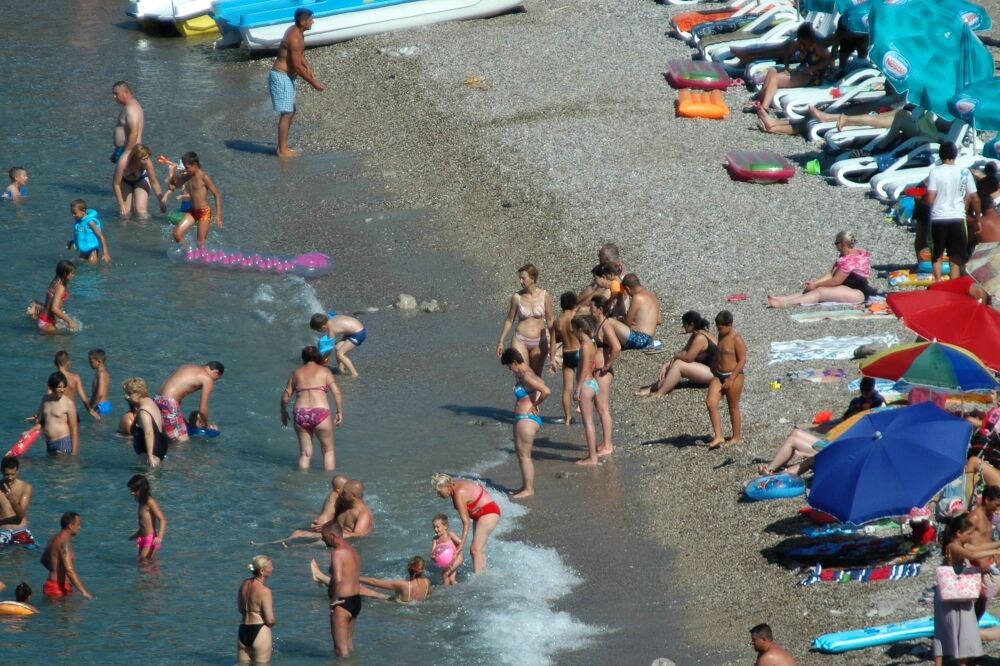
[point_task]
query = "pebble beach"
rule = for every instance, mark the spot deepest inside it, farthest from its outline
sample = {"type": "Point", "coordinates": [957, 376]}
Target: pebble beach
{"type": "Point", "coordinates": [538, 135]}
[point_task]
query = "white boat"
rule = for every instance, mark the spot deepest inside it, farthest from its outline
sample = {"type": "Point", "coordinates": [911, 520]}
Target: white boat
{"type": "Point", "coordinates": [189, 16]}
{"type": "Point", "coordinates": [260, 24]}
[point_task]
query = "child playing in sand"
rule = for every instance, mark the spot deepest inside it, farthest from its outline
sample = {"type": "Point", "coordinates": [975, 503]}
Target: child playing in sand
{"type": "Point", "coordinates": [445, 550]}
{"type": "Point", "coordinates": [17, 189]}
{"type": "Point", "coordinates": [727, 379]}
{"type": "Point", "coordinates": [99, 403]}
{"type": "Point", "coordinates": [87, 236]}
{"type": "Point", "coordinates": [152, 522]}
{"type": "Point", "coordinates": [199, 185]}
{"type": "Point", "coordinates": [74, 383]}
{"type": "Point", "coordinates": [331, 325]}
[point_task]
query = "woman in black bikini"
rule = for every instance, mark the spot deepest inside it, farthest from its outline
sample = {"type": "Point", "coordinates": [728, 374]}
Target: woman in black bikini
{"type": "Point", "coordinates": [254, 642]}
{"type": "Point", "coordinates": [132, 181]}
{"type": "Point", "coordinates": [692, 363]}
{"type": "Point", "coordinates": [148, 440]}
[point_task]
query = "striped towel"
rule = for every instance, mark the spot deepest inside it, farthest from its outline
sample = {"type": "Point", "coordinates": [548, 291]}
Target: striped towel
{"type": "Point", "coordinates": [863, 575]}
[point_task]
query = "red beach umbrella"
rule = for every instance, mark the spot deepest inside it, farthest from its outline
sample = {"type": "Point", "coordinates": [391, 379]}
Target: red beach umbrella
{"type": "Point", "coordinates": [956, 319]}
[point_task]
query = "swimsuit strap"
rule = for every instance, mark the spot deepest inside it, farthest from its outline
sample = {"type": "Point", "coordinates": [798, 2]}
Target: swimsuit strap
{"type": "Point", "coordinates": [312, 388]}
{"type": "Point", "coordinates": [482, 491]}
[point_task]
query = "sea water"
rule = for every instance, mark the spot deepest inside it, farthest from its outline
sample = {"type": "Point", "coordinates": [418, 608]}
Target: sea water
{"type": "Point", "coordinates": [431, 396]}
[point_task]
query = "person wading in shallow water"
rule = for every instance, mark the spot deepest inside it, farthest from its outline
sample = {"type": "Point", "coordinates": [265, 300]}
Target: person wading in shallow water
{"type": "Point", "coordinates": [290, 63]}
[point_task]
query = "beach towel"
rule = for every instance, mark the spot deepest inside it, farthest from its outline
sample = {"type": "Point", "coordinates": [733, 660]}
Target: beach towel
{"type": "Point", "coordinates": [819, 376]}
{"type": "Point", "coordinates": [830, 348]}
{"type": "Point", "coordinates": [855, 551]}
{"type": "Point", "coordinates": [811, 316]}
{"type": "Point", "coordinates": [885, 527]}
{"type": "Point", "coordinates": [863, 575]}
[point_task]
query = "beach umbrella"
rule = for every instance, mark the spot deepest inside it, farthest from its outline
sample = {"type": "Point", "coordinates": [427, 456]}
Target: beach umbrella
{"type": "Point", "coordinates": [856, 14]}
{"type": "Point", "coordinates": [926, 51]}
{"type": "Point", "coordinates": [979, 104]}
{"type": "Point", "coordinates": [984, 266]}
{"type": "Point", "coordinates": [932, 364]}
{"type": "Point", "coordinates": [956, 319]}
{"type": "Point", "coordinates": [889, 462]}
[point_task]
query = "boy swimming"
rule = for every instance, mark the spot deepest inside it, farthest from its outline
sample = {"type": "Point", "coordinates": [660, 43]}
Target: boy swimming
{"type": "Point", "coordinates": [17, 189]}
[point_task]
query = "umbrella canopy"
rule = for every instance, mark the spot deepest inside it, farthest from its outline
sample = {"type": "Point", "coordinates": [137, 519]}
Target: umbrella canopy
{"type": "Point", "coordinates": [889, 462]}
{"type": "Point", "coordinates": [855, 14]}
{"type": "Point", "coordinates": [957, 319]}
{"type": "Point", "coordinates": [932, 364]}
{"type": "Point", "coordinates": [927, 51]}
{"type": "Point", "coordinates": [979, 104]}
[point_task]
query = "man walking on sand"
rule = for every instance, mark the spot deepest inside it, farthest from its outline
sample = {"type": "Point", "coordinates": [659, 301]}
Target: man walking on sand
{"type": "Point", "coordinates": [769, 653]}
{"type": "Point", "coordinates": [128, 129]}
{"type": "Point", "coordinates": [290, 63]}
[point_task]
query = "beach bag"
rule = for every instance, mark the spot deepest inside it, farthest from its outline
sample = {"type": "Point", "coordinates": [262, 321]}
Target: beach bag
{"type": "Point", "coordinates": [958, 586]}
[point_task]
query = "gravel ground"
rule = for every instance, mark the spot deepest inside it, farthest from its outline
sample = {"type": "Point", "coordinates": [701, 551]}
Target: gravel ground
{"type": "Point", "coordinates": [567, 140]}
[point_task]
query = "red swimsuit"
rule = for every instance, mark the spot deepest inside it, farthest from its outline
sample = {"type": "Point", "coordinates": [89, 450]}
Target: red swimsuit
{"type": "Point", "coordinates": [484, 510]}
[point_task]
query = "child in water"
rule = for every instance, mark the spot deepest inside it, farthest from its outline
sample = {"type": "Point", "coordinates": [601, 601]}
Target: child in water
{"type": "Point", "coordinates": [444, 550]}
{"type": "Point", "coordinates": [149, 536]}
{"type": "Point", "coordinates": [199, 185]}
{"type": "Point", "coordinates": [99, 403]}
{"type": "Point", "coordinates": [87, 236]}
{"type": "Point", "coordinates": [17, 189]}
{"type": "Point", "coordinates": [351, 330]}
{"type": "Point", "coordinates": [22, 595]}
{"type": "Point", "coordinates": [198, 425]}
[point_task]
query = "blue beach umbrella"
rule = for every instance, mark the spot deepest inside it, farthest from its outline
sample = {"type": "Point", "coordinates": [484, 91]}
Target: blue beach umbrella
{"type": "Point", "coordinates": [926, 51]}
{"type": "Point", "coordinates": [855, 14]}
{"type": "Point", "coordinates": [979, 104]}
{"type": "Point", "coordinates": [889, 462]}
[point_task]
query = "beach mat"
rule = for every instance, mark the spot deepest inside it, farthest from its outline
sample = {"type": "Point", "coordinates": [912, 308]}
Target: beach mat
{"type": "Point", "coordinates": [830, 348]}
{"type": "Point", "coordinates": [886, 634]}
{"type": "Point", "coordinates": [812, 316]}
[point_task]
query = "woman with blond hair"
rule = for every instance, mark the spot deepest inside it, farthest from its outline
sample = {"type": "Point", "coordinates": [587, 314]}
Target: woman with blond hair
{"type": "Point", "coordinates": [474, 505]}
{"type": "Point", "coordinates": [845, 282]}
{"type": "Point", "coordinates": [255, 642]}
{"type": "Point", "coordinates": [134, 176]}
{"type": "Point", "coordinates": [148, 439]}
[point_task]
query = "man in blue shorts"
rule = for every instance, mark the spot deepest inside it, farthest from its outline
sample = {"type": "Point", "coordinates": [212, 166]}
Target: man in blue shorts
{"type": "Point", "coordinates": [290, 63]}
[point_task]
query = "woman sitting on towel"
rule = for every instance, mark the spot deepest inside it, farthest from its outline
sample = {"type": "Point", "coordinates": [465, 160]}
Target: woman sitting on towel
{"type": "Point", "coordinates": [692, 363]}
{"type": "Point", "coordinates": [845, 282]}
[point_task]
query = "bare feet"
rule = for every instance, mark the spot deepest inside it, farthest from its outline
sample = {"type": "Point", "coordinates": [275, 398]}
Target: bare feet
{"type": "Point", "coordinates": [765, 120]}
{"type": "Point", "coordinates": [775, 302]}
{"type": "Point", "coordinates": [605, 451]}
{"type": "Point", "coordinates": [316, 573]}
{"type": "Point", "coordinates": [522, 493]}
{"type": "Point", "coordinates": [715, 444]}
{"type": "Point", "coordinates": [645, 390]}
{"type": "Point", "coordinates": [288, 153]}
{"type": "Point", "coordinates": [764, 470]}
{"type": "Point", "coordinates": [588, 461]}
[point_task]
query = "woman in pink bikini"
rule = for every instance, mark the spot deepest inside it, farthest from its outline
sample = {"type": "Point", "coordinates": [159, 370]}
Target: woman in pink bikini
{"type": "Point", "coordinates": [311, 414]}
{"type": "Point", "coordinates": [472, 503]}
{"type": "Point", "coordinates": [534, 331]}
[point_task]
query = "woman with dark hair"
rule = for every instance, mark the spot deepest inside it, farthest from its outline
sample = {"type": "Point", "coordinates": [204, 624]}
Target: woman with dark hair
{"type": "Point", "coordinates": [609, 348]}
{"type": "Point", "coordinates": [530, 316]}
{"type": "Point", "coordinates": [311, 414]}
{"type": "Point", "coordinates": [49, 313]}
{"type": "Point", "coordinates": [693, 363]}
{"type": "Point", "coordinates": [416, 587]}
{"type": "Point", "coordinates": [529, 392]}
{"type": "Point", "coordinates": [956, 627]}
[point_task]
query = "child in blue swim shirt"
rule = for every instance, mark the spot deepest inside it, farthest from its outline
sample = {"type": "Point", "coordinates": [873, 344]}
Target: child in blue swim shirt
{"type": "Point", "coordinates": [87, 236]}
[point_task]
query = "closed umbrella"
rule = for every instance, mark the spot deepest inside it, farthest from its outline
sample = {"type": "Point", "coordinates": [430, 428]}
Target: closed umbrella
{"type": "Point", "coordinates": [957, 319]}
{"type": "Point", "coordinates": [926, 50]}
{"type": "Point", "coordinates": [932, 364]}
{"type": "Point", "coordinates": [889, 462]}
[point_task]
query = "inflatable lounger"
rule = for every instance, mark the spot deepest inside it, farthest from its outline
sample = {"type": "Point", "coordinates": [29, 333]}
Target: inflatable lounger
{"type": "Point", "coordinates": [759, 166]}
{"type": "Point", "coordinates": [701, 104]}
{"type": "Point", "coordinates": [856, 639]}
{"type": "Point", "coordinates": [309, 265]}
{"type": "Point", "coordinates": [697, 74]}
{"type": "Point", "coordinates": [774, 486]}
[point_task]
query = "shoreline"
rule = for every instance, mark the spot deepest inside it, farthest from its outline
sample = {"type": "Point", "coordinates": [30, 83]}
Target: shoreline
{"type": "Point", "coordinates": [554, 152]}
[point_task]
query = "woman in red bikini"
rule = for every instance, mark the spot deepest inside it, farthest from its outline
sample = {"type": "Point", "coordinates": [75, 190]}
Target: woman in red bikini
{"type": "Point", "coordinates": [52, 311]}
{"type": "Point", "coordinates": [312, 410]}
{"type": "Point", "coordinates": [472, 502]}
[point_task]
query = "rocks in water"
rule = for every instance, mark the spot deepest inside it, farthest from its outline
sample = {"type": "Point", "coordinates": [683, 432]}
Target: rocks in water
{"type": "Point", "coordinates": [405, 302]}
{"type": "Point", "coordinates": [663, 661]}
{"type": "Point", "coordinates": [430, 306]}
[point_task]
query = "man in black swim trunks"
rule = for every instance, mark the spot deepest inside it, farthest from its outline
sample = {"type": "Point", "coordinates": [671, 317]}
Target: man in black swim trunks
{"type": "Point", "coordinates": [344, 588]}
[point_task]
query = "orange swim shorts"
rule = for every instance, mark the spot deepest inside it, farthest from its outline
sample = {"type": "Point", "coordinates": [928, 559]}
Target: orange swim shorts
{"type": "Point", "coordinates": [201, 214]}
{"type": "Point", "coordinates": [52, 588]}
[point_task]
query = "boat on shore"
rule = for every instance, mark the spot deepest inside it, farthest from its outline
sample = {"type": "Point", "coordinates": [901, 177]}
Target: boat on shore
{"type": "Point", "coordinates": [189, 17]}
{"type": "Point", "coordinates": [260, 24]}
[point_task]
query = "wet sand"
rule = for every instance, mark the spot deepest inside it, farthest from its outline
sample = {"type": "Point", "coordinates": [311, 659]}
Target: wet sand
{"type": "Point", "coordinates": [566, 139]}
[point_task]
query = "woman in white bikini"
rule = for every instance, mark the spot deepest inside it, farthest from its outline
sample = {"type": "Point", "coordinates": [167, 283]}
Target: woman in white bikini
{"type": "Point", "coordinates": [534, 332]}
{"type": "Point", "coordinates": [415, 588]}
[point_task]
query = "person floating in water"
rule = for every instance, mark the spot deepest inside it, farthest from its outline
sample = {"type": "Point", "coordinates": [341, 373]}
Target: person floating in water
{"type": "Point", "coordinates": [199, 185]}
{"type": "Point", "coordinates": [416, 586]}
{"type": "Point", "coordinates": [18, 188]}
{"type": "Point", "coordinates": [99, 403]}
{"type": "Point", "coordinates": [152, 522]}
{"type": "Point", "coordinates": [57, 558]}
{"type": "Point", "coordinates": [352, 334]}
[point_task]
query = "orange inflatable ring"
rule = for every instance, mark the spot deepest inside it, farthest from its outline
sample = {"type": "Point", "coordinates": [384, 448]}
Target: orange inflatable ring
{"type": "Point", "coordinates": [16, 608]}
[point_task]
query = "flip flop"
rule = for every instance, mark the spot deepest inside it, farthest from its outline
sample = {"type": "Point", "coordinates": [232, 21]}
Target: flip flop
{"type": "Point", "coordinates": [736, 298]}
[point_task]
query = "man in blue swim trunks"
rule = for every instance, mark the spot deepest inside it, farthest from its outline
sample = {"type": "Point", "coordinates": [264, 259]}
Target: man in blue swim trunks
{"type": "Point", "coordinates": [56, 417]}
{"type": "Point", "coordinates": [128, 129]}
{"type": "Point", "coordinates": [290, 63]}
{"type": "Point", "coordinates": [637, 329]}
{"type": "Point", "coordinates": [352, 334]}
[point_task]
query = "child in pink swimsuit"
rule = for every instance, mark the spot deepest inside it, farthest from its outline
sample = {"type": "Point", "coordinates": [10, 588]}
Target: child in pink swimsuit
{"type": "Point", "coordinates": [152, 522]}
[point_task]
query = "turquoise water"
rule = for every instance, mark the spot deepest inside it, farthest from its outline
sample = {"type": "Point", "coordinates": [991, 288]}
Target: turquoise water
{"type": "Point", "coordinates": [428, 397]}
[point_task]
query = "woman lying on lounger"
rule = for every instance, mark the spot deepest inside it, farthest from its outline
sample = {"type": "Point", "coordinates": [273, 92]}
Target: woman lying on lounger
{"type": "Point", "coordinates": [815, 62]}
{"type": "Point", "coordinates": [845, 282]}
{"type": "Point", "coordinates": [692, 363]}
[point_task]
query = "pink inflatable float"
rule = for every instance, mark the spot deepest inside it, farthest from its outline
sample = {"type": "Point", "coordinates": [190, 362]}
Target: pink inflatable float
{"type": "Point", "coordinates": [309, 265]}
{"type": "Point", "coordinates": [759, 166]}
